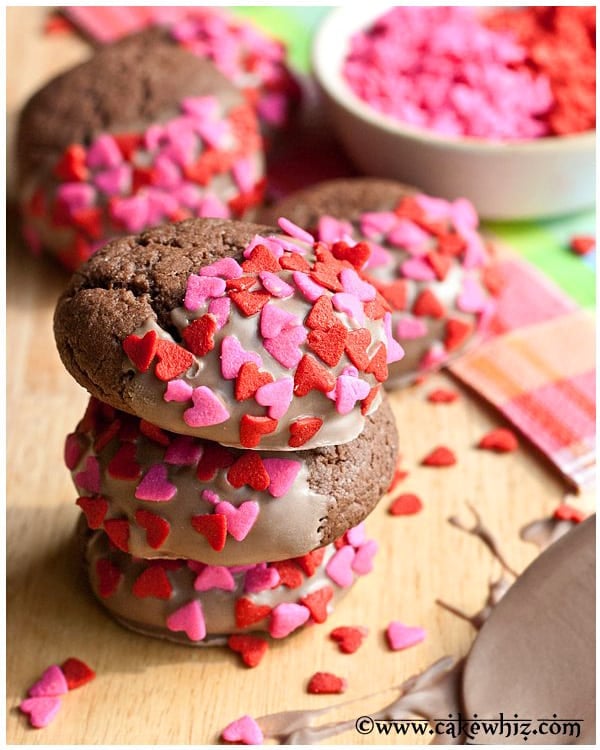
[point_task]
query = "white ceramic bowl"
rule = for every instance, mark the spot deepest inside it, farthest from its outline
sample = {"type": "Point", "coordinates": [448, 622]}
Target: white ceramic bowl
{"type": "Point", "coordinates": [530, 179]}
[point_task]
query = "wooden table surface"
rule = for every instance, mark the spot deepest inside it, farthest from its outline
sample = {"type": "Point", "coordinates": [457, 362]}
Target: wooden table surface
{"type": "Point", "coordinates": [152, 692]}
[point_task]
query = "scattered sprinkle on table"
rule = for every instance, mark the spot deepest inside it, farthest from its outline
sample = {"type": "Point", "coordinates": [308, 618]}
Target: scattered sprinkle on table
{"type": "Point", "coordinates": [440, 456]}
{"type": "Point", "coordinates": [326, 683]}
{"type": "Point", "coordinates": [501, 440]}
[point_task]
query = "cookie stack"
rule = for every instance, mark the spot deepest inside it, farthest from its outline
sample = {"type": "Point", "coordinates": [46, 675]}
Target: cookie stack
{"type": "Point", "coordinates": [237, 434]}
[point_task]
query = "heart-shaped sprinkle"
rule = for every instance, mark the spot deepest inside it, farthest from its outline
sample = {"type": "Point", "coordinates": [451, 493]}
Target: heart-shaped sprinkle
{"type": "Point", "coordinates": [250, 647]}
{"type": "Point", "coordinates": [104, 152]}
{"type": "Point", "coordinates": [199, 335]}
{"type": "Point", "coordinates": [173, 360]}
{"type": "Point", "coordinates": [287, 617]}
{"type": "Point", "coordinates": [152, 582]}
{"type": "Point", "coordinates": [378, 364]}
{"type": "Point", "coordinates": [326, 683]}
{"type": "Point", "coordinates": [358, 255]}
{"type": "Point", "coordinates": [201, 288]}
{"type": "Point", "coordinates": [89, 478]}
{"type": "Point", "coordinates": [261, 579]}
{"type": "Point", "coordinates": [77, 673]}
{"type": "Point", "coordinates": [249, 303]}
{"type": "Point", "coordinates": [440, 264]}
{"type": "Point", "coordinates": [349, 390]}
{"type": "Point", "coordinates": [349, 639]}
{"type": "Point", "coordinates": [240, 520]}
{"type": "Point", "coordinates": [417, 269]}
{"type": "Point", "coordinates": [442, 396]}
{"type": "Point", "coordinates": [109, 577]}
{"type": "Point", "coordinates": [350, 305]}
{"type": "Point", "coordinates": [274, 320]}
{"type": "Point", "coordinates": [249, 469]}
{"type": "Point", "coordinates": [214, 577]}
{"type": "Point", "coordinates": [275, 285]}
{"type": "Point", "coordinates": [434, 357]}
{"type": "Point", "coordinates": [95, 510]}
{"type": "Point", "coordinates": [311, 561]}
{"type": "Point", "coordinates": [307, 286]}
{"type": "Point", "coordinates": [317, 602]}
{"type": "Point", "coordinates": [277, 396]}
{"type": "Point", "coordinates": [252, 429]}
{"type": "Point", "coordinates": [249, 380]}
{"type": "Point", "coordinates": [428, 304]}
{"type": "Point", "coordinates": [51, 684]}
{"type": "Point", "coordinates": [406, 504]}
{"type": "Point", "coordinates": [362, 563]}
{"type": "Point", "coordinates": [285, 346]}
{"type": "Point", "coordinates": [220, 309]}
{"type": "Point", "coordinates": [394, 351]}
{"type": "Point", "coordinates": [500, 440]}
{"type": "Point", "coordinates": [294, 262]}
{"type": "Point", "coordinates": [440, 456]}
{"type": "Point", "coordinates": [233, 356]}
{"type": "Point", "coordinates": [117, 530]}
{"type": "Point", "coordinates": [321, 316]}
{"type": "Point", "coordinates": [213, 526]}
{"type": "Point", "coordinates": [289, 573]}
{"type": "Point", "coordinates": [41, 711]}
{"type": "Point", "coordinates": [73, 450]}
{"type": "Point", "coordinates": [395, 294]}
{"type": "Point", "coordinates": [261, 259]}
{"type": "Point", "coordinates": [248, 613]}
{"type": "Point", "coordinates": [123, 464]}
{"type": "Point", "coordinates": [244, 731]}
{"type": "Point", "coordinates": [303, 429]}
{"type": "Point", "coordinates": [183, 451]}
{"type": "Point", "coordinates": [207, 409]}
{"type": "Point", "coordinates": [157, 528]}
{"type": "Point", "coordinates": [356, 535]}
{"type": "Point", "coordinates": [227, 268]}
{"type": "Point", "coordinates": [401, 636]}
{"type": "Point", "coordinates": [293, 230]}
{"type": "Point", "coordinates": [339, 567]}
{"type": "Point", "coordinates": [357, 343]}
{"type": "Point", "coordinates": [353, 284]}
{"type": "Point", "coordinates": [566, 512]}
{"type": "Point", "coordinates": [214, 457]}
{"type": "Point", "coordinates": [114, 181]}
{"type": "Point", "coordinates": [282, 473]}
{"type": "Point", "coordinates": [472, 298]}
{"type": "Point", "coordinates": [311, 375]}
{"type": "Point", "coordinates": [408, 328]}
{"type": "Point", "coordinates": [178, 390]}
{"type": "Point", "coordinates": [329, 345]}
{"type": "Point", "coordinates": [155, 485]}
{"type": "Point", "coordinates": [154, 433]}
{"type": "Point", "coordinates": [457, 332]}
{"type": "Point", "coordinates": [210, 497]}
{"type": "Point", "coordinates": [188, 619]}
{"type": "Point", "coordinates": [71, 166]}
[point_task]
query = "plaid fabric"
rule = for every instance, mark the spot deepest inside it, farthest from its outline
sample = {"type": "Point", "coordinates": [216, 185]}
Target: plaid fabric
{"type": "Point", "coordinates": [539, 370]}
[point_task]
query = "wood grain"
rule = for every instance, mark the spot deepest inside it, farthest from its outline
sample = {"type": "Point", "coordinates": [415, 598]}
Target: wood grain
{"type": "Point", "coordinates": [150, 692]}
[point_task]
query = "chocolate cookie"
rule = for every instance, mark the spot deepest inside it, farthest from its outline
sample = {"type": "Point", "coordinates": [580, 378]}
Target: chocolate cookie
{"type": "Point", "coordinates": [143, 132]}
{"type": "Point", "coordinates": [198, 604]}
{"type": "Point", "coordinates": [207, 328]}
{"type": "Point", "coordinates": [157, 494]}
{"type": "Point", "coordinates": [427, 260]}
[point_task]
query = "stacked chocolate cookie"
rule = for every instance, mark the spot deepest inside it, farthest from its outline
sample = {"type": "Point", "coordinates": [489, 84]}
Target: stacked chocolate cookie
{"type": "Point", "coordinates": [238, 432]}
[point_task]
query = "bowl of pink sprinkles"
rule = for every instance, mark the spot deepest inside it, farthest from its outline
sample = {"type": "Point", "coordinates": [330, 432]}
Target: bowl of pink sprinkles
{"type": "Point", "coordinates": [493, 104]}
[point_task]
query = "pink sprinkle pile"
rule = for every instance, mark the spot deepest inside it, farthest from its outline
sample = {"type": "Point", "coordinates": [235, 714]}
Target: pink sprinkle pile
{"type": "Point", "coordinates": [442, 69]}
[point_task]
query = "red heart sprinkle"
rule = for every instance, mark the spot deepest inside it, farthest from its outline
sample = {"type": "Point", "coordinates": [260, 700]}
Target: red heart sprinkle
{"type": "Point", "coordinates": [249, 469]}
{"type": "Point", "coordinates": [310, 374]}
{"type": "Point", "coordinates": [213, 526]}
{"type": "Point", "coordinates": [199, 336]}
{"type": "Point", "coordinates": [440, 263]}
{"type": "Point", "coordinates": [72, 166]}
{"type": "Point", "coordinates": [109, 577]}
{"type": "Point", "coordinates": [440, 456]}
{"type": "Point", "coordinates": [451, 244]}
{"type": "Point", "coordinates": [348, 639]}
{"type": "Point", "coordinates": [321, 317]}
{"type": "Point", "coordinates": [250, 302]}
{"type": "Point", "coordinates": [152, 582]}
{"type": "Point", "coordinates": [566, 512]}
{"type": "Point", "coordinates": [442, 396]}
{"type": "Point", "coordinates": [142, 176]}
{"type": "Point", "coordinates": [157, 528]}
{"type": "Point", "coordinates": [261, 259]}
{"type": "Point", "coordinates": [127, 143]}
{"type": "Point", "coordinates": [582, 244]}
{"type": "Point", "coordinates": [90, 221]}
{"type": "Point", "coordinates": [406, 505]}
{"type": "Point", "coordinates": [311, 561]}
{"type": "Point", "coordinates": [329, 345]}
{"type": "Point", "coordinates": [141, 350]}
{"type": "Point", "coordinates": [428, 304]}
{"type": "Point", "coordinates": [36, 205]}
{"type": "Point", "coordinates": [408, 208]}
{"type": "Point", "coordinates": [154, 433]}
{"type": "Point", "coordinates": [501, 440]}
{"type": "Point", "coordinates": [214, 457]}
{"type": "Point", "coordinates": [107, 435]}
{"type": "Point", "coordinates": [173, 360]}
{"type": "Point", "coordinates": [289, 573]}
{"type": "Point", "coordinates": [325, 683]}
{"type": "Point", "coordinates": [357, 255]}
{"type": "Point", "coordinates": [95, 509]}
{"type": "Point", "coordinates": [76, 672]}
{"type": "Point", "coordinates": [251, 647]}
{"type": "Point", "coordinates": [378, 365]}
{"type": "Point", "coordinates": [327, 276]}
{"type": "Point", "coordinates": [293, 262]}
{"type": "Point", "coordinates": [376, 309]}
{"type": "Point", "coordinates": [240, 285]}
{"type": "Point", "coordinates": [317, 602]}
{"type": "Point", "coordinates": [493, 279]}
{"type": "Point", "coordinates": [366, 402]}
{"type": "Point", "coordinates": [249, 380]}
{"type": "Point", "coordinates": [247, 612]}
{"type": "Point", "coordinates": [435, 228]}
{"type": "Point", "coordinates": [303, 429]}
{"type": "Point", "coordinates": [357, 343]}
{"type": "Point", "coordinates": [117, 530]}
{"type": "Point", "coordinates": [457, 331]}
{"type": "Point", "coordinates": [395, 294]}
{"type": "Point", "coordinates": [399, 476]}
{"type": "Point", "coordinates": [253, 428]}
{"type": "Point", "coordinates": [123, 464]}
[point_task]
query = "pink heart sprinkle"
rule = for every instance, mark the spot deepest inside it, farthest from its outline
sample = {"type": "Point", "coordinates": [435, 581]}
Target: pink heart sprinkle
{"type": "Point", "coordinates": [285, 347]}
{"type": "Point", "coordinates": [271, 243]}
{"type": "Point", "coordinates": [240, 520]}
{"type": "Point", "coordinates": [363, 559]}
{"type": "Point", "coordinates": [104, 153]}
{"type": "Point", "coordinates": [282, 473]}
{"type": "Point", "coordinates": [233, 356]}
{"type": "Point", "coordinates": [212, 207]}
{"type": "Point", "coordinates": [214, 133]}
{"type": "Point", "coordinates": [226, 268]}
{"type": "Point", "coordinates": [261, 578]}
{"type": "Point", "coordinates": [287, 617]}
{"type": "Point", "coordinates": [349, 390]}
{"type": "Point", "coordinates": [200, 288]}
{"type": "Point", "coordinates": [183, 451]}
{"type": "Point", "coordinates": [51, 684]}
{"type": "Point", "coordinates": [401, 636]}
{"type": "Point", "coordinates": [89, 478]}
{"type": "Point", "coordinates": [207, 409]}
{"type": "Point", "coordinates": [464, 216]}
{"type": "Point", "coordinates": [244, 730]}
{"type": "Point", "coordinates": [437, 209]}
{"type": "Point", "coordinates": [353, 284]}
{"type": "Point", "coordinates": [244, 174]}
{"type": "Point", "coordinates": [214, 577]}
{"type": "Point", "coordinates": [379, 256]}
{"type": "Point", "coordinates": [277, 396]}
{"type": "Point", "coordinates": [471, 299]}
{"type": "Point", "coordinates": [356, 535]}
{"type": "Point", "coordinates": [153, 136]}
{"type": "Point", "coordinates": [417, 269]}
{"type": "Point", "coordinates": [410, 328]}
{"type": "Point", "coordinates": [190, 620]}
{"type": "Point", "coordinates": [178, 390]}
{"type": "Point", "coordinates": [155, 485]}
{"type": "Point", "coordinates": [309, 288]}
{"type": "Point", "coordinates": [275, 285]}
{"type": "Point", "coordinates": [221, 309]}
{"type": "Point", "coordinates": [394, 351]}
{"type": "Point", "coordinates": [293, 230]}
{"type": "Point", "coordinates": [475, 253]}
{"type": "Point", "coordinates": [114, 181]}
{"type": "Point", "coordinates": [274, 320]}
{"type": "Point", "coordinates": [132, 212]}
{"type": "Point", "coordinates": [210, 497]}
{"type": "Point", "coordinates": [202, 107]}
{"type": "Point", "coordinates": [350, 305]}
{"type": "Point", "coordinates": [339, 567]}
{"type": "Point", "coordinates": [41, 710]}
{"type": "Point", "coordinates": [434, 357]}
{"type": "Point", "coordinates": [331, 230]}
{"type": "Point", "coordinates": [76, 195]}
{"type": "Point", "coordinates": [377, 223]}
{"type": "Point", "coordinates": [74, 451]}
{"type": "Point", "coordinates": [409, 236]}
{"type": "Point", "coordinates": [166, 174]}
